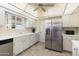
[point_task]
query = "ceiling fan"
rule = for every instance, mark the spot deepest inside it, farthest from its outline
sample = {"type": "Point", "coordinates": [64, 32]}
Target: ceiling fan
{"type": "Point", "coordinates": [41, 6]}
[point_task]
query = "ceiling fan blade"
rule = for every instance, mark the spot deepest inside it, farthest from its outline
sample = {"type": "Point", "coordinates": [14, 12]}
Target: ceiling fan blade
{"type": "Point", "coordinates": [49, 5]}
{"type": "Point", "coordinates": [35, 9]}
{"type": "Point", "coordinates": [43, 9]}
{"type": "Point", "coordinates": [43, 4]}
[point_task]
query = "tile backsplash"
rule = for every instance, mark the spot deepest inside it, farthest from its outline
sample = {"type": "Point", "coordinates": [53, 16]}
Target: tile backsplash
{"type": "Point", "coordinates": [3, 30]}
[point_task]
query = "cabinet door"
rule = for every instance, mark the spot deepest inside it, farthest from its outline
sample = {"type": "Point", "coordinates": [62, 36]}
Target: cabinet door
{"type": "Point", "coordinates": [68, 20]}
{"type": "Point", "coordinates": [30, 23]}
{"type": "Point", "coordinates": [2, 16]}
{"type": "Point", "coordinates": [32, 39]}
{"type": "Point", "coordinates": [33, 23]}
{"type": "Point", "coordinates": [36, 37]}
{"type": "Point", "coordinates": [26, 42]}
{"type": "Point", "coordinates": [9, 17]}
{"type": "Point", "coordinates": [17, 45]}
{"type": "Point", "coordinates": [67, 44]}
{"type": "Point", "coordinates": [74, 19]}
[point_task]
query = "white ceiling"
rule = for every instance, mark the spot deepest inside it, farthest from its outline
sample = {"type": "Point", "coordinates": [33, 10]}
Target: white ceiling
{"type": "Point", "coordinates": [57, 10]}
{"type": "Point", "coordinates": [71, 7]}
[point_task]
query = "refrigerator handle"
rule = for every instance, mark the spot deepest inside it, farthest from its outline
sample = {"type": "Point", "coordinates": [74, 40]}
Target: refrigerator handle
{"type": "Point", "coordinates": [47, 31]}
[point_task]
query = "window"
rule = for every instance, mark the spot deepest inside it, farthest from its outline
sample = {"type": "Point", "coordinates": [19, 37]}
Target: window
{"type": "Point", "coordinates": [19, 21]}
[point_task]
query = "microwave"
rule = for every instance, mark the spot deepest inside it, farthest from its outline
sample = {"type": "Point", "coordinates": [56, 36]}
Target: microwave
{"type": "Point", "coordinates": [69, 32]}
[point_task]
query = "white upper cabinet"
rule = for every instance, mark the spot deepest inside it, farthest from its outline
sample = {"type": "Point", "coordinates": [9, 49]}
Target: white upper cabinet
{"type": "Point", "coordinates": [14, 22]}
{"type": "Point", "coordinates": [8, 20]}
{"type": "Point", "coordinates": [71, 20]}
{"type": "Point", "coordinates": [2, 16]}
{"type": "Point", "coordinates": [14, 18]}
{"type": "Point", "coordinates": [30, 23]}
{"type": "Point", "coordinates": [18, 22]}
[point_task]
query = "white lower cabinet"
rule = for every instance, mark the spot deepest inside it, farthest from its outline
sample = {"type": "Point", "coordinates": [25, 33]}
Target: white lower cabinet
{"type": "Point", "coordinates": [67, 42]}
{"type": "Point", "coordinates": [23, 42]}
{"type": "Point", "coordinates": [34, 38]}
{"type": "Point", "coordinates": [17, 45]}
{"type": "Point", "coordinates": [31, 39]}
{"type": "Point", "coordinates": [67, 45]}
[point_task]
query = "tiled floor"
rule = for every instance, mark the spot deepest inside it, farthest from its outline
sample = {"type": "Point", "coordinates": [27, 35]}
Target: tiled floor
{"type": "Point", "coordinates": [39, 50]}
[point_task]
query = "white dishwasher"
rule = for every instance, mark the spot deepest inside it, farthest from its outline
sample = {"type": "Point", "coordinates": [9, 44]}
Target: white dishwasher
{"type": "Point", "coordinates": [6, 47]}
{"type": "Point", "coordinates": [75, 47]}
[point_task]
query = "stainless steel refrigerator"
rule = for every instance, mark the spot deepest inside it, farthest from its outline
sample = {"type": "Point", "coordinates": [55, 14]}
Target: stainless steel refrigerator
{"type": "Point", "coordinates": [53, 37]}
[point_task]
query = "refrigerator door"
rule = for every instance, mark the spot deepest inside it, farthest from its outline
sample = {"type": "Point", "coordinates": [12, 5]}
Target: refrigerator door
{"type": "Point", "coordinates": [57, 37]}
{"type": "Point", "coordinates": [48, 37]}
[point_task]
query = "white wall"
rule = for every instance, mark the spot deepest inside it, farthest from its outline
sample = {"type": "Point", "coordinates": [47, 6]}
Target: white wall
{"type": "Point", "coordinates": [40, 28]}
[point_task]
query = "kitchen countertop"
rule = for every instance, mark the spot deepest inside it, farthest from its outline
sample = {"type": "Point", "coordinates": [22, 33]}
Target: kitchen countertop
{"type": "Point", "coordinates": [13, 35]}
